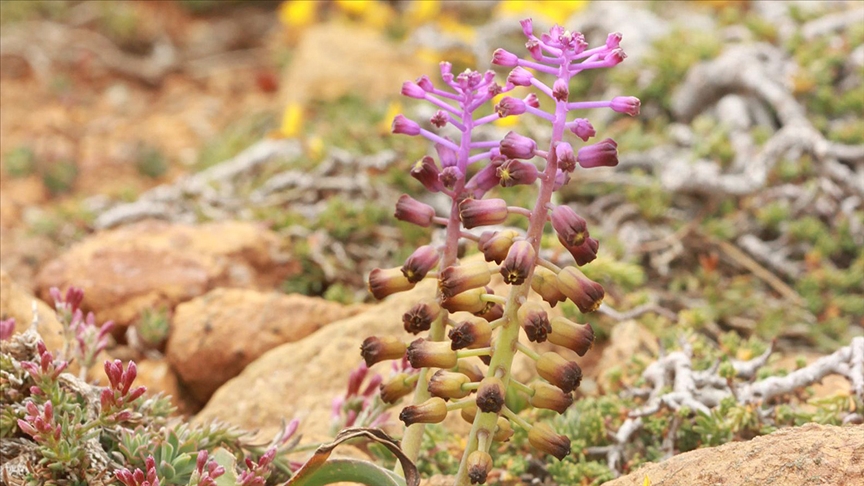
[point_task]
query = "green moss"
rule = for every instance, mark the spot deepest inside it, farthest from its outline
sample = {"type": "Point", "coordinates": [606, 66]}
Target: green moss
{"type": "Point", "coordinates": [151, 162]}
{"type": "Point", "coordinates": [19, 162]}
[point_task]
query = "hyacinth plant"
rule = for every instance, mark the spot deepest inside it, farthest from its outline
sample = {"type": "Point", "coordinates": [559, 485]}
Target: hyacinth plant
{"type": "Point", "coordinates": [465, 320]}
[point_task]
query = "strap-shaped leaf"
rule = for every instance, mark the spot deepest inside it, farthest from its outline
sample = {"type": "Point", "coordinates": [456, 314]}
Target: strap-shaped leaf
{"type": "Point", "coordinates": [318, 471]}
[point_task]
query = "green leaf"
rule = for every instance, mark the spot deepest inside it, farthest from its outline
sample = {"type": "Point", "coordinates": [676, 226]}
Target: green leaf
{"type": "Point", "coordinates": [226, 459]}
{"type": "Point", "coordinates": [338, 470]}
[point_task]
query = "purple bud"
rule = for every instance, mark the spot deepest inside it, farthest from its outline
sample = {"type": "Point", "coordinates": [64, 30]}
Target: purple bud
{"type": "Point", "coordinates": [532, 100]}
{"type": "Point", "coordinates": [602, 154]}
{"type": "Point", "coordinates": [510, 106]}
{"type": "Point", "coordinates": [425, 83]}
{"type": "Point", "coordinates": [413, 211]}
{"type": "Point", "coordinates": [626, 104]}
{"type": "Point", "coordinates": [584, 292]}
{"type": "Point", "coordinates": [586, 252]}
{"type": "Point", "coordinates": [446, 73]}
{"type": "Point", "coordinates": [561, 179]}
{"type": "Point", "coordinates": [427, 173]}
{"type": "Point", "coordinates": [486, 178]}
{"type": "Point", "coordinates": [457, 279]}
{"type": "Point", "coordinates": [420, 263]}
{"type": "Point", "coordinates": [505, 58]}
{"type": "Point", "coordinates": [482, 212]}
{"type": "Point", "coordinates": [515, 146]}
{"type": "Point", "coordinates": [582, 128]}
{"type": "Point", "coordinates": [527, 27]}
{"type": "Point", "coordinates": [613, 40]}
{"type": "Point", "coordinates": [405, 126]}
{"type": "Point", "coordinates": [520, 77]}
{"type": "Point", "coordinates": [201, 461]}
{"type": "Point", "coordinates": [413, 90]}
{"type": "Point", "coordinates": [450, 176]}
{"type": "Point", "coordinates": [447, 156]}
{"type": "Point", "coordinates": [560, 90]}
{"type": "Point", "coordinates": [533, 47]}
{"type": "Point", "coordinates": [519, 263]}
{"type": "Point", "coordinates": [439, 119]}
{"type": "Point", "coordinates": [571, 228]}
{"type": "Point", "coordinates": [566, 157]}
{"type": "Point", "coordinates": [7, 328]}
{"type": "Point", "coordinates": [615, 57]}
{"type": "Point", "coordinates": [516, 172]}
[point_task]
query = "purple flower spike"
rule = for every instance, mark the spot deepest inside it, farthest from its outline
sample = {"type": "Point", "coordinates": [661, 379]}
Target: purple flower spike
{"type": "Point", "coordinates": [626, 104]}
{"type": "Point", "coordinates": [504, 58]}
{"type": "Point", "coordinates": [516, 146]}
{"type": "Point", "coordinates": [405, 126]}
{"type": "Point", "coordinates": [520, 77]}
{"type": "Point", "coordinates": [413, 90]}
{"type": "Point", "coordinates": [603, 154]}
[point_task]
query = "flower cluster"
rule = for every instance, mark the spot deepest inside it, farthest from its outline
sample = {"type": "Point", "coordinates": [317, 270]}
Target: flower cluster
{"type": "Point", "coordinates": [466, 319]}
{"type": "Point", "coordinates": [119, 395]}
{"type": "Point", "coordinates": [89, 338]}
{"type": "Point", "coordinates": [359, 408]}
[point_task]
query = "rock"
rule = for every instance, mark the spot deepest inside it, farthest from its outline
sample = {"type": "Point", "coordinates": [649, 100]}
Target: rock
{"type": "Point", "coordinates": [811, 454]}
{"type": "Point", "coordinates": [17, 303]}
{"type": "Point", "coordinates": [23, 253]}
{"type": "Point", "coordinates": [155, 264]}
{"type": "Point", "coordinates": [301, 379]}
{"type": "Point", "coordinates": [215, 336]}
{"type": "Point", "coordinates": [323, 69]}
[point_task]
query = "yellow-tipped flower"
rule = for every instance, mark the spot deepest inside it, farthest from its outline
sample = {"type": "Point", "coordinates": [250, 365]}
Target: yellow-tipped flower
{"type": "Point", "coordinates": [396, 388]}
{"type": "Point", "coordinates": [468, 301]}
{"type": "Point", "coordinates": [585, 293]}
{"type": "Point", "coordinates": [519, 262]}
{"type": "Point", "coordinates": [578, 337]}
{"type": "Point", "coordinates": [448, 384]}
{"type": "Point", "coordinates": [503, 430]}
{"type": "Point", "coordinates": [384, 282]}
{"type": "Point", "coordinates": [431, 411]}
{"type": "Point", "coordinates": [490, 395]}
{"type": "Point", "coordinates": [471, 334]}
{"type": "Point", "coordinates": [431, 354]}
{"type": "Point", "coordinates": [543, 438]}
{"type": "Point", "coordinates": [479, 465]}
{"type": "Point", "coordinates": [550, 397]}
{"type": "Point", "coordinates": [534, 321]}
{"type": "Point", "coordinates": [457, 279]}
{"type": "Point", "coordinates": [495, 245]}
{"type": "Point", "coordinates": [566, 375]}
{"type": "Point", "coordinates": [545, 283]}
{"type": "Point", "coordinates": [377, 349]}
{"type": "Point", "coordinates": [469, 369]}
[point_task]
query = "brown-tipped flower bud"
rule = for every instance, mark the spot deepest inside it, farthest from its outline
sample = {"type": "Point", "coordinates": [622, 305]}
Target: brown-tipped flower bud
{"type": "Point", "coordinates": [510, 106]}
{"type": "Point", "coordinates": [542, 437]}
{"type": "Point", "coordinates": [519, 262]}
{"type": "Point", "coordinates": [516, 172]}
{"type": "Point", "coordinates": [601, 154]}
{"type": "Point", "coordinates": [495, 245]}
{"type": "Point", "coordinates": [468, 412]}
{"type": "Point", "coordinates": [420, 263]}
{"type": "Point", "coordinates": [479, 465]}
{"type": "Point", "coordinates": [413, 211]}
{"type": "Point", "coordinates": [515, 146]}
{"type": "Point", "coordinates": [469, 369]}
{"type": "Point", "coordinates": [571, 228]}
{"type": "Point", "coordinates": [396, 388]}
{"type": "Point", "coordinates": [586, 252]}
{"type": "Point", "coordinates": [503, 430]}
{"type": "Point", "coordinates": [383, 282]}
{"type": "Point", "coordinates": [565, 156]}
{"type": "Point", "coordinates": [585, 293]}
{"type": "Point", "coordinates": [566, 375]}
{"type": "Point", "coordinates": [549, 397]}
{"type": "Point", "coordinates": [457, 279]}
{"type": "Point", "coordinates": [490, 395]}
{"type": "Point", "coordinates": [482, 212]}
{"type": "Point", "coordinates": [431, 411]}
{"type": "Point", "coordinates": [468, 301]}
{"type": "Point", "coordinates": [534, 321]}
{"type": "Point", "coordinates": [545, 283]}
{"type": "Point", "coordinates": [472, 334]}
{"type": "Point", "coordinates": [427, 173]}
{"type": "Point", "coordinates": [448, 384]}
{"type": "Point", "coordinates": [431, 354]}
{"type": "Point", "coordinates": [578, 337]}
{"type": "Point", "coordinates": [376, 349]}
{"type": "Point", "coordinates": [419, 318]}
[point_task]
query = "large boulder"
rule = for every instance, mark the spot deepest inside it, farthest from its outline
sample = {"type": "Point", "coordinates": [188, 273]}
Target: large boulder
{"type": "Point", "coordinates": [300, 379]}
{"type": "Point", "coordinates": [213, 337]}
{"type": "Point", "coordinates": [155, 264]}
{"type": "Point", "coordinates": [811, 454]}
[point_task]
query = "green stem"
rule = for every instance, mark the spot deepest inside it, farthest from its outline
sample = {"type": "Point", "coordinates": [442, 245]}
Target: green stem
{"type": "Point", "coordinates": [527, 351]}
{"type": "Point", "coordinates": [467, 353]}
